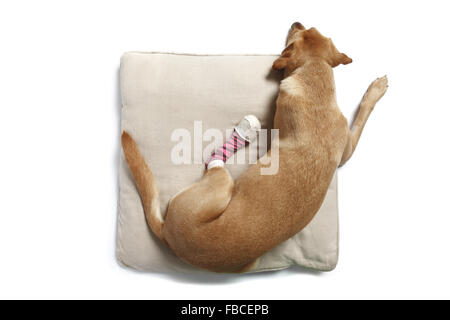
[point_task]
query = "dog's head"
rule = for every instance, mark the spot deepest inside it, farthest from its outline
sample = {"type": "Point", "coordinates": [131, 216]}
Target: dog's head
{"type": "Point", "coordinates": [303, 44]}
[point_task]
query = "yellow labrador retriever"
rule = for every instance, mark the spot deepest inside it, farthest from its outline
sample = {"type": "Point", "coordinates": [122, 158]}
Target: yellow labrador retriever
{"type": "Point", "coordinates": [225, 226]}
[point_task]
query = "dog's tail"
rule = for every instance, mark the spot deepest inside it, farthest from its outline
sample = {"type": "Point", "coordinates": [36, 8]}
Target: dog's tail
{"type": "Point", "coordinates": [145, 182]}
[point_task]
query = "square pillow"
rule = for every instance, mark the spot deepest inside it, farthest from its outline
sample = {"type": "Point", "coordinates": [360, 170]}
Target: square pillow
{"type": "Point", "coordinates": [162, 92]}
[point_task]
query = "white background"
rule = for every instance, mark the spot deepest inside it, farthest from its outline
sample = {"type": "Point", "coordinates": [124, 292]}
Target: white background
{"type": "Point", "coordinates": [59, 137]}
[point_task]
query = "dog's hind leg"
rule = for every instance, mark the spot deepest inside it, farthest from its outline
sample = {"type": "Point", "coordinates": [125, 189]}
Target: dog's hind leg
{"type": "Point", "coordinates": [374, 93]}
{"type": "Point", "coordinates": [206, 199]}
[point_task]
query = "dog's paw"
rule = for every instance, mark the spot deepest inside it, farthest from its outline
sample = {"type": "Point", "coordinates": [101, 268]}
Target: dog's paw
{"type": "Point", "coordinates": [376, 90]}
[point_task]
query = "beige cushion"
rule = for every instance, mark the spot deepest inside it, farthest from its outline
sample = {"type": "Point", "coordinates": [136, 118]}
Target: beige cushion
{"type": "Point", "coordinates": [163, 92]}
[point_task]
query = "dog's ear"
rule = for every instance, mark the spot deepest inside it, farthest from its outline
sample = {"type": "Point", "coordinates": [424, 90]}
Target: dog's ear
{"type": "Point", "coordinates": [345, 59]}
{"type": "Point", "coordinates": [283, 60]}
{"type": "Point", "coordinates": [342, 58]}
{"type": "Point", "coordinates": [280, 63]}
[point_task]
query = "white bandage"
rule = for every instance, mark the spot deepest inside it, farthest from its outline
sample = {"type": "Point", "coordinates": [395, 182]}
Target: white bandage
{"type": "Point", "coordinates": [215, 163]}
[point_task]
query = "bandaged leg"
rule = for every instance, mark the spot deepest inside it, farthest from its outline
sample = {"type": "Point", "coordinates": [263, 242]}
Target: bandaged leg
{"type": "Point", "coordinates": [244, 132]}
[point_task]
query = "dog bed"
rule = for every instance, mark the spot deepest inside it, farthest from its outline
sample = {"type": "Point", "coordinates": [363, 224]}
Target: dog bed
{"type": "Point", "coordinates": [162, 92]}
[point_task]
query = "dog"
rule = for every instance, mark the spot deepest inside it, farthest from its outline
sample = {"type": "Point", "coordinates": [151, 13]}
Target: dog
{"type": "Point", "coordinates": [223, 225]}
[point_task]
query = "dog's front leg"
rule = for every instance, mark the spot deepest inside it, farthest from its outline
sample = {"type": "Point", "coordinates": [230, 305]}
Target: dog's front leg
{"type": "Point", "coordinates": [374, 93]}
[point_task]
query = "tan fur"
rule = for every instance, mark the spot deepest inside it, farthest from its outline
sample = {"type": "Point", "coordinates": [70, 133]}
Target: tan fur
{"type": "Point", "coordinates": [225, 226]}
{"type": "Point", "coordinates": [145, 182]}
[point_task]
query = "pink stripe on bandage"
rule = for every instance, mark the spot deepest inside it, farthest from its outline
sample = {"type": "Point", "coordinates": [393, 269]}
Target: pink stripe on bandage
{"type": "Point", "coordinates": [233, 144]}
{"type": "Point", "coordinates": [227, 153]}
{"type": "Point", "coordinates": [229, 146]}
